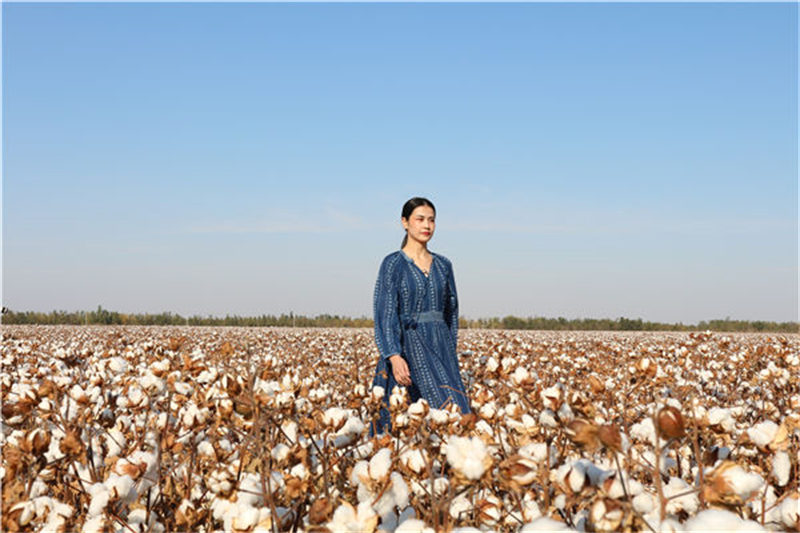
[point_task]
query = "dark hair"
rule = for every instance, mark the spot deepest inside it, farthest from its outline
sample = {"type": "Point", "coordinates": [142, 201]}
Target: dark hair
{"type": "Point", "coordinates": [409, 207]}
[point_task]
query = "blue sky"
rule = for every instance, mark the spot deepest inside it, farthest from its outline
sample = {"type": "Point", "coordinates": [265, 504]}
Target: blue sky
{"type": "Point", "coordinates": [586, 160]}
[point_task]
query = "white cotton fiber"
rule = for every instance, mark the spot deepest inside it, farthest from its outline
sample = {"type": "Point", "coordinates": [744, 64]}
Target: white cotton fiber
{"type": "Point", "coordinates": [467, 455]}
{"type": "Point", "coordinates": [644, 431]}
{"type": "Point", "coordinates": [743, 483]}
{"type": "Point", "coordinates": [413, 526]}
{"type": "Point", "coordinates": [545, 524]}
{"type": "Point", "coordinates": [380, 463]}
{"type": "Point", "coordinates": [781, 468]}
{"type": "Point", "coordinates": [762, 434]}
{"type": "Point", "coordinates": [790, 512]}
{"type": "Point", "coordinates": [688, 502]}
{"type": "Point", "coordinates": [719, 520]}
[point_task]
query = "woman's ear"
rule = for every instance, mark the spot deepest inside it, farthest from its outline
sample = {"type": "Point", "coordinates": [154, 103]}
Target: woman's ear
{"type": "Point", "coordinates": [404, 222]}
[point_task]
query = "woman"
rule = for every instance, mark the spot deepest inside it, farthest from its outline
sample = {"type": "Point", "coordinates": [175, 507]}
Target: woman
{"type": "Point", "coordinates": [416, 318]}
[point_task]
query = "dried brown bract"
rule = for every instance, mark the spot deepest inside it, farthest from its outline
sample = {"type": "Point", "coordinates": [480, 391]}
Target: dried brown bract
{"type": "Point", "coordinates": [583, 433]}
{"type": "Point", "coordinates": [670, 422]}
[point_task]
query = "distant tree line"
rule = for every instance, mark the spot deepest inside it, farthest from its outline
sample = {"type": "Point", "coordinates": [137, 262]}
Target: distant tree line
{"type": "Point", "coordinates": [104, 316]}
{"type": "Point", "coordinates": [627, 324]}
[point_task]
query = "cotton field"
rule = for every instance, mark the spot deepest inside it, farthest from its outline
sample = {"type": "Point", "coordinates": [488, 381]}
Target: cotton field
{"type": "Point", "coordinates": [140, 429]}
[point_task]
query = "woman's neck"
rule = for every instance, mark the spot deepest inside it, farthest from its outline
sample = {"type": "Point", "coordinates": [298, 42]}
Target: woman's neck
{"type": "Point", "coordinates": [415, 249]}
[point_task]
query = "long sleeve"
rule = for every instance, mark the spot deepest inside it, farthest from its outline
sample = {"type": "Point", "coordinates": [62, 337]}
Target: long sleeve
{"type": "Point", "coordinates": [451, 305]}
{"type": "Point", "coordinates": [388, 331]}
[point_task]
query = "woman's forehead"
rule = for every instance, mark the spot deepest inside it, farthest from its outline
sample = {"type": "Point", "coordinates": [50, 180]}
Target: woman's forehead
{"type": "Point", "coordinates": [423, 210]}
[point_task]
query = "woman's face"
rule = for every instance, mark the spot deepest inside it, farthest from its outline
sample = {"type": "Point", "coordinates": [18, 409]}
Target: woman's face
{"type": "Point", "coordinates": [420, 224]}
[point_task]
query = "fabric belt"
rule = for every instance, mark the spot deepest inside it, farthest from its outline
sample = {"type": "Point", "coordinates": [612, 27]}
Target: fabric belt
{"type": "Point", "coordinates": [410, 322]}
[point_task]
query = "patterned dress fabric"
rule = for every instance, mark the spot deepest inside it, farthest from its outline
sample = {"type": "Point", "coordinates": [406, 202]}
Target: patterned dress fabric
{"type": "Point", "coordinates": [416, 316]}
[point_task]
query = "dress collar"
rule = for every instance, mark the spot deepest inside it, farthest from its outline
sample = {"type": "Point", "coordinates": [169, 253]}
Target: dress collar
{"type": "Point", "coordinates": [407, 258]}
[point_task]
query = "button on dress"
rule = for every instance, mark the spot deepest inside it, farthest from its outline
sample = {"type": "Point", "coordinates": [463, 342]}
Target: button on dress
{"type": "Point", "coordinates": [416, 316]}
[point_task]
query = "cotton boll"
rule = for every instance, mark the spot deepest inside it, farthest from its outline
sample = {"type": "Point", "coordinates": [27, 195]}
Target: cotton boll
{"type": "Point", "coordinates": [572, 475]}
{"type": "Point", "coordinates": [772, 509]}
{"type": "Point", "coordinates": [349, 432]}
{"type": "Point", "coordinates": [538, 452]}
{"type": "Point", "coordinates": [398, 398]}
{"type": "Point", "coordinates": [289, 428]}
{"type": "Point", "coordinates": [762, 434]}
{"type": "Point", "coordinates": [69, 410]}
{"type": "Point", "coordinates": [644, 503]}
{"type": "Point", "coordinates": [360, 474]}
{"type": "Point", "coordinates": [137, 520]}
{"type": "Point", "coordinates": [488, 410]}
{"type": "Point", "coordinates": [38, 488]}
{"type": "Point", "coordinates": [205, 449]}
{"type": "Point", "coordinates": [334, 416]}
{"type": "Point", "coordinates": [552, 396]}
{"type": "Point", "coordinates": [159, 368]}
{"type": "Point", "coordinates": [27, 512]}
{"type": "Point", "coordinates": [299, 471]}
{"type": "Point", "coordinates": [721, 417]}
{"type": "Point", "coordinates": [488, 509]}
{"type": "Point", "coordinates": [117, 365]}
{"type": "Point", "coordinates": [414, 459]}
{"type": "Point", "coordinates": [719, 520]}
{"type": "Point", "coordinates": [790, 511]}
{"type": "Point", "coordinates": [100, 496]}
{"type": "Point", "coordinates": [781, 468]}
{"type": "Point", "coordinates": [380, 464]}
{"type": "Point", "coordinates": [545, 524]}
{"type": "Point", "coordinates": [438, 416]}
{"type": "Point", "coordinates": [565, 413]}
{"type": "Point", "coordinates": [418, 409]}
{"type": "Point", "coordinates": [644, 431]}
{"type": "Point", "coordinates": [362, 451]}
{"type": "Point", "coordinates": [508, 363]}
{"type": "Point", "coordinates": [153, 384]}
{"type": "Point", "coordinates": [401, 420]}
{"type": "Point", "coordinates": [468, 456]}
{"type": "Point", "coordinates": [94, 524]}
{"type": "Point", "coordinates": [460, 507]}
{"type": "Point", "coordinates": [483, 427]}
{"type": "Point", "coordinates": [530, 508]}
{"type": "Point", "coordinates": [207, 376]}
{"type": "Point", "coordinates": [614, 489]}
{"type": "Point", "coordinates": [121, 487]}
{"type": "Point", "coordinates": [56, 512]}
{"type": "Point", "coordinates": [547, 418]}
{"type": "Point", "coordinates": [688, 502]}
{"type": "Point", "coordinates": [348, 519]}
{"type": "Point", "coordinates": [182, 388]}
{"type": "Point", "coordinates": [280, 452]}
{"type": "Point", "coordinates": [246, 517]}
{"type": "Point", "coordinates": [222, 509]}
{"type": "Point", "coordinates": [396, 496]}
{"type": "Point", "coordinates": [742, 483]}
{"type": "Point", "coordinates": [136, 397]}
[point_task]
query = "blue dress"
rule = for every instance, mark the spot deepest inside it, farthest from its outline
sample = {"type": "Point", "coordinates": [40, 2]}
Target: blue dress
{"type": "Point", "coordinates": [416, 316]}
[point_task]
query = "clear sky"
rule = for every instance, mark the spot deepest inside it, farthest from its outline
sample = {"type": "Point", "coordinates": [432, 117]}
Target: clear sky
{"type": "Point", "coordinates": [586, 160]}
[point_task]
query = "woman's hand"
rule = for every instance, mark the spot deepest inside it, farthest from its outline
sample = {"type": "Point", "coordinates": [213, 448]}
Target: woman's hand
{"type": "Point", "coordinates": [400, 370]}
